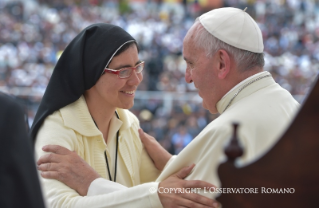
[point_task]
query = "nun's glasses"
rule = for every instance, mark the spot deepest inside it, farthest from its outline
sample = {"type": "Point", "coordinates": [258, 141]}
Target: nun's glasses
{"type": "Point", "coordinates": [126, 72]}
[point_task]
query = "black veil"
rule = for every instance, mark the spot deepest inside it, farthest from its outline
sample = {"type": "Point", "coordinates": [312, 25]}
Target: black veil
{"type": "Point", "coordinates": [79, 68]}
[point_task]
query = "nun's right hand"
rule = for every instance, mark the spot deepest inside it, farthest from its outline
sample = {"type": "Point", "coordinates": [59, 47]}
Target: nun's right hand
{"type": "Point", "coordinates": [67, 167]}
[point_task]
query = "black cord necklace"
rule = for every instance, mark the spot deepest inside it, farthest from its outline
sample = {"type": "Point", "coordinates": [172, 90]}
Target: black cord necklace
{"type": "Point", "coordinates": [107, 163]}
{"type": "Point", "coordinates": [116, 153]}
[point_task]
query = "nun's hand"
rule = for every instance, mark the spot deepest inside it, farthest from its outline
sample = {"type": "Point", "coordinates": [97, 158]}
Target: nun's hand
{"type": "Point", "coordinates": [67, 167]}
{"type": "Point", "coordinates": [157, 153]}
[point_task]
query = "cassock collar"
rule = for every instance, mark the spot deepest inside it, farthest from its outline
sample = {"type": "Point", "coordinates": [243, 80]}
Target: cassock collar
{"type": "Point", "coordinates": [222, 104]}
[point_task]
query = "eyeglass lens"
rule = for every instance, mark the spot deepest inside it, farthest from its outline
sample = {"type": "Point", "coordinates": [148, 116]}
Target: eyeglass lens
{"type": "Point", "coordinates": [128, 71]}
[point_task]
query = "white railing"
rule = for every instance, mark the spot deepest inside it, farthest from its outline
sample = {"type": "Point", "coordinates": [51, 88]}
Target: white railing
{"type": "Point", "coordinates": [166, 97]}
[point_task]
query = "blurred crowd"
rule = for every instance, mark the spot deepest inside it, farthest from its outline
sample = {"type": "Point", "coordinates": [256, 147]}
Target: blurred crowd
{"type": "Point", "coordinates": [34, 34]}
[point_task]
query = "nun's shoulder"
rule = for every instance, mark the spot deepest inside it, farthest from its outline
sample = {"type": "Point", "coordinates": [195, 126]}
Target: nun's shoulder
{"type": "Point", "coordinates": [52, 122]}
{"type": "Point", "coordinates": [54, 125]}
{"type": "Point", "coordinates": [54, 131]}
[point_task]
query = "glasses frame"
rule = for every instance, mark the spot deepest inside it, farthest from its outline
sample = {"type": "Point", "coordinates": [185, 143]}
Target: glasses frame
{"type": "Point", "coordinates": [117, 72]}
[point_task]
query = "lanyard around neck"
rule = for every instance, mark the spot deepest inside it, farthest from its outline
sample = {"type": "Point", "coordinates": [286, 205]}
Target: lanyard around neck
{"type": "Point", "coordinates": [107, 163]}
{"type": "Point", "coordinates": [116, 153]}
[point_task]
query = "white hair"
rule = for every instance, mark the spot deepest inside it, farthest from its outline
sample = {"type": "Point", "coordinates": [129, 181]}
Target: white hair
{"type": "Point", "coordinates": [245, 60]}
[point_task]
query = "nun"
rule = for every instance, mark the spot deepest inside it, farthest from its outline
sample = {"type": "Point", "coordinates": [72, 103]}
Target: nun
{"type": "Point", "coordinates": [84, 109]}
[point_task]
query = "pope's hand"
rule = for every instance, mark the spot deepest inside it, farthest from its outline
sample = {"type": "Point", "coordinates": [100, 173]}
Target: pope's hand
{"type": "Point", "coordinates": [67, 167]}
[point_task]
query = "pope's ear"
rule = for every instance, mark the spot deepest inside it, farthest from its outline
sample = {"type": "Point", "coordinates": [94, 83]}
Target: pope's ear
{"type": "Point", "coordinates": [224, 64]}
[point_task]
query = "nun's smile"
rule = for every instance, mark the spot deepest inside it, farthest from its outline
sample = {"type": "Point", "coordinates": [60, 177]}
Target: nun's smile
{"type": "Point", "coordinates": [129, 92]}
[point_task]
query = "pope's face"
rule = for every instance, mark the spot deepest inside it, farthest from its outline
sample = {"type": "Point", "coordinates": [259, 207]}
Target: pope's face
{"type": "Point", "coordinates": [201, 70]}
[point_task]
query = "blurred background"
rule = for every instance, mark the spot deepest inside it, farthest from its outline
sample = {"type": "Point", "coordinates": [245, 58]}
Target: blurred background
{"type": "Point", "coordinates": [33, 34]}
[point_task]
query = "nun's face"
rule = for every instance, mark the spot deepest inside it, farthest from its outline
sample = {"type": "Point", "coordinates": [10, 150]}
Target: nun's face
{"type": "Point", "coordinates": [113, 91]}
